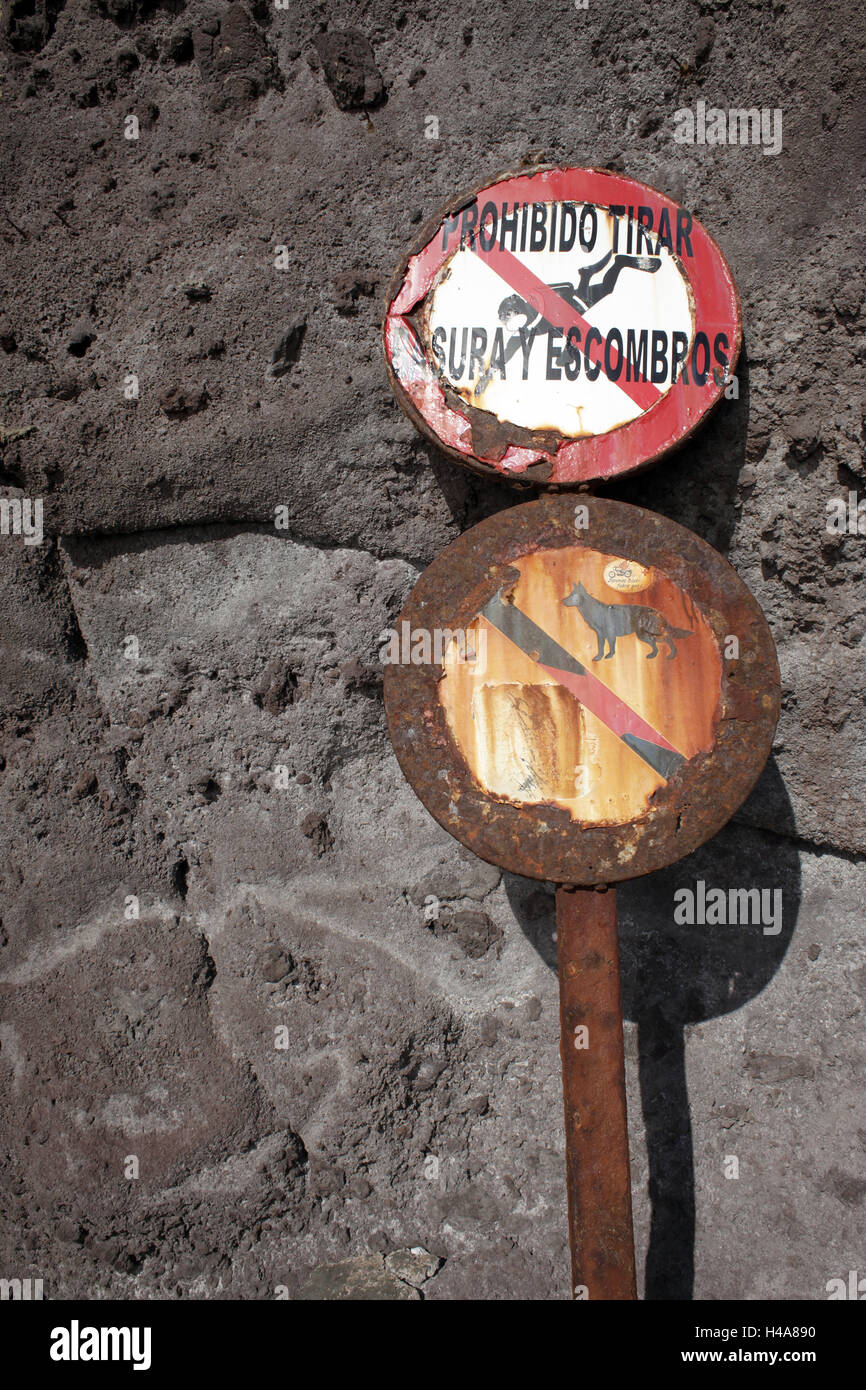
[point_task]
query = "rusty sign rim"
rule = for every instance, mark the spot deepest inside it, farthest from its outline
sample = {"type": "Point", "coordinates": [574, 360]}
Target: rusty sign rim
{"type": "Point", "coordinates": [534, 475]}
{"type": "Point", "coordinates": [543, 842]}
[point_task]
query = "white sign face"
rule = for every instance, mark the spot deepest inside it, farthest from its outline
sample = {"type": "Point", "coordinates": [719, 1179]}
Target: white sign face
{"type": "Point", "coordinates": [585, 307]}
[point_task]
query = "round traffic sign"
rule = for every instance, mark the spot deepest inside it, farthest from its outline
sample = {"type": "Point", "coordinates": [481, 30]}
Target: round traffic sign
{"type": "Point", "coordinates": [580, 690]}
{"type": "Point", "coordinates": [561, 327]}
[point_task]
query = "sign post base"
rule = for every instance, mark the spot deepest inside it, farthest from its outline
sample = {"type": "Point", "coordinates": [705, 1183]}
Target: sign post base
{"type": "Point", "coordinates": [593, 1081]}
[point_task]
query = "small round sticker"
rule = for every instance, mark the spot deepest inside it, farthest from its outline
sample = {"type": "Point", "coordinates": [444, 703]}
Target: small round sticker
{"type": "Point", "coordinates": [562, 327]}
{"type": "Point", "coordinates": [626, 576]}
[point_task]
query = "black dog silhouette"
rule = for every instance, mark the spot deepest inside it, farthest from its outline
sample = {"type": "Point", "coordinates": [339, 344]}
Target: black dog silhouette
{"type": "Point", "coordinates": [612, 620]}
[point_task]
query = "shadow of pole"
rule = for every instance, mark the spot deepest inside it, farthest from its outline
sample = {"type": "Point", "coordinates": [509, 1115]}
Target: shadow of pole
{"type": "Point", "coordinates": [670, 1260]}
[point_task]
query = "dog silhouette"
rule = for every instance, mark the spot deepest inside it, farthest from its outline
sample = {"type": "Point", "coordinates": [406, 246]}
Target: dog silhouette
{"type": "Point", "coordinates": [609, 621]}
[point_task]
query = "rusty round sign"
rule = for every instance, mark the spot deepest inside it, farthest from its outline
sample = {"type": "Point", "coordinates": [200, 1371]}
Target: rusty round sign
{"type": "Point", "coordinates": [561, 327]}
{"type": "Point", "coordinates": [580, 690]}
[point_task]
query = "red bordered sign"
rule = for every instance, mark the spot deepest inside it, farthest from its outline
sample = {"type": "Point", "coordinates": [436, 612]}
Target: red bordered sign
{"type": "Point", "coordinates": [562, 327]}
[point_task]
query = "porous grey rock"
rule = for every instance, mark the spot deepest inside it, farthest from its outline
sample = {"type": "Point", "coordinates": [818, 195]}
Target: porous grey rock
{"type": "Point", "coordinates": [287, 348]}
{"type": "Point", "coordinates": [350, 70]}
{"type": "Point", "coordinates": [469, 877]}
{"type": "Point", "coordinates": [307, 1072]}
{"type": "Point", "coordinates": [367, 1278]}
{"type": "Point", "coordinates": [182, 401]}
{"type": "Point", "coordinates": [413, 1266]}
{"type": "Point", "coordinates": [235, 60]}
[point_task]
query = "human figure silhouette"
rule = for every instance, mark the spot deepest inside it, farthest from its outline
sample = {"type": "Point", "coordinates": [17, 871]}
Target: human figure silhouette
{"type": "Point", "coordinates": [583, 296]}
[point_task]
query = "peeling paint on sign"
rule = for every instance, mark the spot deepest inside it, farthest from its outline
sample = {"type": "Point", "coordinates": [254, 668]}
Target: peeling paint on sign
{"type": "Point", "coordinates": [562, 327]}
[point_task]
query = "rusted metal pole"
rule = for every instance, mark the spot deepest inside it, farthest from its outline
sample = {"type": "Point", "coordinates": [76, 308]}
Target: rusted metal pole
{"type": "Point", "coordinates": [593, 1083]}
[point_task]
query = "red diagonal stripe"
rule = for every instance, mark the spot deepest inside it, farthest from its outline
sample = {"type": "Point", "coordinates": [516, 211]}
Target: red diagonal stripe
{"type": "Point", "coordinates": [558, 312]}
{"type": "Point", "coordinates": [595, 696]}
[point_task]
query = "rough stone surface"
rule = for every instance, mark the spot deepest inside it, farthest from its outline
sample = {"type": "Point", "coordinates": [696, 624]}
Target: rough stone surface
{"type": "Point", "coordinates": [265, 1028]}
{"type": "Point", "coordinates": [357, 1280]}
{"type": "Point", "coordinates": [413, 1266]}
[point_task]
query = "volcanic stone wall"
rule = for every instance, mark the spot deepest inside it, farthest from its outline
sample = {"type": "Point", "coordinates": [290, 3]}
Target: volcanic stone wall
{"type": "Point", "coordinates": [240, 1054]}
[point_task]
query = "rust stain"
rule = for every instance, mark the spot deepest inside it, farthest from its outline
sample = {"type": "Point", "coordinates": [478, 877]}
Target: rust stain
{"type": "Point", "coordinates": [526, 738]}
